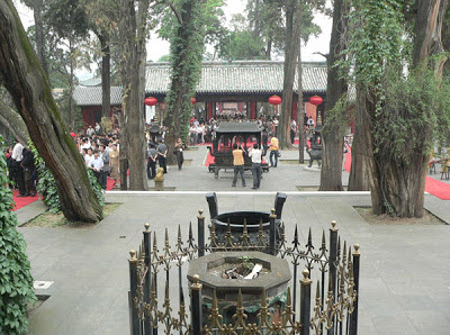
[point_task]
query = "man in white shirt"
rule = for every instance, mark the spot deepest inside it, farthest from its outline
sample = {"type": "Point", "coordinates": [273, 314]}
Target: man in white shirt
{"type": "Point", "coordinates": [293, 130]}
{"type": "Point", "coordinates": [256, 155]}
{"type": "Point", "coordinates": [96, 164]}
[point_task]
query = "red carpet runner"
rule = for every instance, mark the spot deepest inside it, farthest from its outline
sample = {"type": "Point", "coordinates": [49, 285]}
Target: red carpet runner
{"type": "Point", "coordinates": [22, 201]}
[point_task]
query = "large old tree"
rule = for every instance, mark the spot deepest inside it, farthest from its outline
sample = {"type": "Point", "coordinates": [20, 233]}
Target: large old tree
{"type": "Point", "coordinates": [335, 112]}
{"type": "Point", "coordinates": [24, 78]}
{"type": "Point", "coordinates": [132, 31]}
{"type": "Point", "coordinates": [401, 106]}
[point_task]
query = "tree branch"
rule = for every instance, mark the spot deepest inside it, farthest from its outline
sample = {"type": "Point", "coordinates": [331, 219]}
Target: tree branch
{"type": "Point", "coordinates": [174, 10]}
{"type": "Point", "coordinates": [323, 55]}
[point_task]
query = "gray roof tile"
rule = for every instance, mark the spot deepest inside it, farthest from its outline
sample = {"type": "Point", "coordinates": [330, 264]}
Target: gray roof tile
{"type": "Point", "coordinates": [92, 96]}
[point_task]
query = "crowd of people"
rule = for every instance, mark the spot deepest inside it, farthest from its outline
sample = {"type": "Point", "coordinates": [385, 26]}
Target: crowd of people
{"type": "Point", "coordinates": [101, 152]}
{"type": "Point", "coordinates": [101, 155]}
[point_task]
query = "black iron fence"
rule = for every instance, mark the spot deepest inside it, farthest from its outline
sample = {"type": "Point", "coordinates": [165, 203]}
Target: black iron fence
{"type": "Point", "coordinates": [322, 300]}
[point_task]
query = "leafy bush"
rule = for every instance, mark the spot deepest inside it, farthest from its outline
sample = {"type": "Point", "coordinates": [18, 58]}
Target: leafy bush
{"type": "Point", "coordinates": [46, 185]}
{"type": "Point", "coordinates": [16, 282]}
{"type": "Point", "coordinates": [47, 188]}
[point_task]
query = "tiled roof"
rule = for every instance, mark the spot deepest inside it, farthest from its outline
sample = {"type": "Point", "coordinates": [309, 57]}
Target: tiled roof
{"type": "Point", "coordinates": [239, 77]}
{"type": "Point", "coordinates": [92, 96]}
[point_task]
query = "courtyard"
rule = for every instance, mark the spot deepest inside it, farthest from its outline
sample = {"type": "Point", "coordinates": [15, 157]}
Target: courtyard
{"type": "Point", "coordinates": [404, 281]}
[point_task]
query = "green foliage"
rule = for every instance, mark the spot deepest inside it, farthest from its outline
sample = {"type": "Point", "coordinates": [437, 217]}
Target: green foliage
{"type": "Point", "coordinates": [241, 45]}
{"type": "Point", "coordinates": [376, 41]}
{"type": "Point", "coordinates": [96, 188]}
{"type": "Point", "coordinates": [16, 282]}
{"type": "Point", "coordinates": [46, 183]}
{"type": "Point", "coordinates": [186, 49]}
{"type": "Point", "coordinates": [47, 188]}
{"type": "Point", "coordinates": [412, 104]}
{"type": "Point", "coordinates": [67, 18]}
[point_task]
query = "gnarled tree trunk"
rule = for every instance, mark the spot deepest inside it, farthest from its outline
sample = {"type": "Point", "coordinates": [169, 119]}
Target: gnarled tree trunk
{"type": "Point", "coordinates": [333, 135]}
{"type": "Point", "coordinates": [25, 80]}
{"type": "Point", "coordinates": [133, 27]}
{"type": "Point", "coordinates": [359, 172]}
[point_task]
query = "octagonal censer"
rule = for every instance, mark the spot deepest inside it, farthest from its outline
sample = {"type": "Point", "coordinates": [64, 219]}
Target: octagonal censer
{"type": "Point", "coordinates": [250, 272]}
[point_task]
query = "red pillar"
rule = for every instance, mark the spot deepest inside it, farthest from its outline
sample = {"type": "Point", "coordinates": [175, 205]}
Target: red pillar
{"type": "Point", "coordinates": [209, 109]}
{"type": "Point", "coordinates": [294, 109]}
{"type": "Point", "coordinates": [253, 111]}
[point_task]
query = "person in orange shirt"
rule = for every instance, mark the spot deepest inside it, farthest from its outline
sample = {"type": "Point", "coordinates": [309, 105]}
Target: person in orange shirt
{"type": "Point", "coordinates": [238, 164]}
{"type": "Point", "coordinates": [274, 151]}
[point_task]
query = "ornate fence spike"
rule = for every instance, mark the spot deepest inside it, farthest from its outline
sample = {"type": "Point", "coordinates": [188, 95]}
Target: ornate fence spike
{"type": "Point", "coordinates": [245, 242]}
{"type": "Point", "coordinates": [295, 241]}
{"type": "Point", "coordinates": [338, 255]}
{"type": "Point", "coordinates": [309, 244]}
{"type": "Point", "coordinates": [240, 316]}
{"type": "Point", "coordinates": [191, 238]}
{"type": "Point", "coordinates": [323, 248]}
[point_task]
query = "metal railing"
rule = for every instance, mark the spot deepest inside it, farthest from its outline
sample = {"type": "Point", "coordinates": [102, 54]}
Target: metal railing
{"type": "Point", "coordinates": [330, 308]}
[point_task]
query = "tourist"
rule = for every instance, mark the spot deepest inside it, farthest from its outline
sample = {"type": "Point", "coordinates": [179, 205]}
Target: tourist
{"type": "Point", "coordinates": [310, 122]}
{"type": "Point", "coordinates": [274, 151]}
{"type": "Point", "coordinates": [16, 157]}
{"type": "Point", "coordinates": [114, 164]}
{"type": "Point", "coordinates": [104, 154]}
{"type": "Point", "coordinates": [90, 131]}
{"type": "Point", "coordinates": [88, 157]}
{"type": "Point", "coordinates": [162, 149]}
{"type": "Point", "coordinates": [192, 134]}
{"type": "Point", "coordinates": [178, 151]}
{"type": "Point", "coordinates": [256, 155]}
{"type": "Point", "coordinates": [152, 156]}
{"type": "Point", "coordinates": [238, 164]}
{"type": "Point", "coordinates": [293, 130]}
{"type": "Point", "coordinates": [96, 165]}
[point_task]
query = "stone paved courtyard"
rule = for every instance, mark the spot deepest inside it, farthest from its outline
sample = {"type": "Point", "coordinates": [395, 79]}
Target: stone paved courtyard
{"type": "Point", "coordinates": [404, 287]}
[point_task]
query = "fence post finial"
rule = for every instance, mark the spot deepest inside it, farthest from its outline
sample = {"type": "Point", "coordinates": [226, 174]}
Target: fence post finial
{"type": "Point", "coordinates": [133, 256]}
{"type": "Point", "coordinates": [333, 225]}
{"type": "Point", "coordinates": [356, 247]}
{"type": "Point", "coordinates": [147, 227]}
{"type": "Point", "coordinates": [196, 306]}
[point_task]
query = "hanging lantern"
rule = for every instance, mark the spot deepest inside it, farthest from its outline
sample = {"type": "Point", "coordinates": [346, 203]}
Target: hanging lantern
{"type": "Point", "coordinates": [150, 101]}
{"type": "Point", "coordinates": [315, 100]}
{"type": "Point", "coordinates": [193, 100]}
{"type": "Point", "coordinates": [275, 100]}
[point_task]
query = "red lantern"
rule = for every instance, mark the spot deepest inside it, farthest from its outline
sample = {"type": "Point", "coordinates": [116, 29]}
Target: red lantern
{"type": "Point", "coordinates": [150, 101]}
{"type": "Point", "coordinates": [316, 100]}
{"type": "Point", "coordinates": [193, 100]}
{"type": "Point", "coordinates": [275, 100]}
